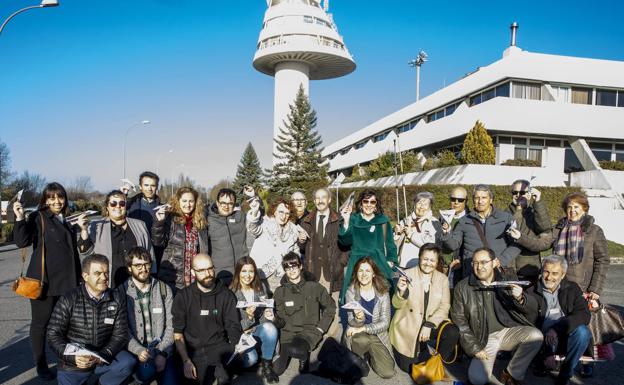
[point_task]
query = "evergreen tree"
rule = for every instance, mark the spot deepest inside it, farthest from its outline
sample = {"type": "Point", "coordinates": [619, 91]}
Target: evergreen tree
{"type": "Point", "coordinates": [249, 171]}
{"type": "Point", "coordinates": [478, 146]}
{"type": "Point", "coordinates": [300, 165]}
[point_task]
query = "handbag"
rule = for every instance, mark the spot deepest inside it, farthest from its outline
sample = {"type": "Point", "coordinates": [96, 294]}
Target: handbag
{"type": "Point", "coordinates": [340, 364]}
{"type": "Point", "coordinates": [432, 370]}
{"type": "Point", "coordinates": [606, 325]}
{"type": "Point", "coordinates": [29, 287]}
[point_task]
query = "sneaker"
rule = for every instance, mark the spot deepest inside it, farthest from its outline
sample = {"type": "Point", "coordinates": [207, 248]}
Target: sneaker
{"type": "Point", "coordinates": [508, 379]}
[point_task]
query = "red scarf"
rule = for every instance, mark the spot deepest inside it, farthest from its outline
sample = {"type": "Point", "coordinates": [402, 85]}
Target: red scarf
{"type": "Point", "coordinates": [191, 243]}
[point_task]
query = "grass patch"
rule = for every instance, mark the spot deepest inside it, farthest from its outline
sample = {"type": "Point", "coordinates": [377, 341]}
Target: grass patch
{"type": "Point", "coordinates": [615, 249]}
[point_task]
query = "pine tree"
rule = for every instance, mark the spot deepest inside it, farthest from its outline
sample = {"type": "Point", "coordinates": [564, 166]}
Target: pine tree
{"type": "Point", "coordinates": [249, 171]}
{"type": "Point", "coordinates": [478, 146]}
{"type": "Point", "coordinates": [300, 164]}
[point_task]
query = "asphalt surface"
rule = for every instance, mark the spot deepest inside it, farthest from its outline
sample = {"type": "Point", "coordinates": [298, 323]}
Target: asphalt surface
{"type": "Point", "coordinates": [16, 366]}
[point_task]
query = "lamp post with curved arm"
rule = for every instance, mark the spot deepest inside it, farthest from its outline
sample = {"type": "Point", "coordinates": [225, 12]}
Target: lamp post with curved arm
{"type": "Point", "coordinates": [44, 4]}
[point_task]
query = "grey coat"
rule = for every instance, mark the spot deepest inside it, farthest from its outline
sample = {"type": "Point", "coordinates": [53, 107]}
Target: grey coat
{"type": "Point", "coordinates": [100, 234]}
{"type": "Point", "coordinates": [229, 240]}
{"type": "Point", "coordinates": [162, 320]}
{"type": "Point", "coordinates": [381, 317]}
{"type": "Point", "coordinates": [591, 273]}
{"type": "Point", "coordinates": [466, 234]}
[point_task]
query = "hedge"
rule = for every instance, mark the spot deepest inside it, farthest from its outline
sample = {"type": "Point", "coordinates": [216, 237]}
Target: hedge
{"type": "Point", "coordinates": [7, 232]}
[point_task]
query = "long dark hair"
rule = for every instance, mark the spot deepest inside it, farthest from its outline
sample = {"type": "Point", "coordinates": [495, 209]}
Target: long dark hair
{"type": "Point", "coordinates": [50, 191]}
{"type": "Point", "coordinates": [380, 284]}
{"type": "Point", "coordinates": [367, 194]}
{"type": "Point", "coordinates": [255, 284]}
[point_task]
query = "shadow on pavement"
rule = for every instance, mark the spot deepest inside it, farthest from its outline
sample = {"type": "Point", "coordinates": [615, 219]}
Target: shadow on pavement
{"type": "Point", "coordinates": [16, 359]}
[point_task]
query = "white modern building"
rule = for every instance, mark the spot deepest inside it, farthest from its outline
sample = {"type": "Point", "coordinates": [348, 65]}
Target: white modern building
{"type": "Point", "coordinates": [299, 42]}
{"type": "Point", "coordinates": [566, 113]}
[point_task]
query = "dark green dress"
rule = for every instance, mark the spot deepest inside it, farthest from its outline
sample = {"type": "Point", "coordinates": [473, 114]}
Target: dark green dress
{"type": "Point", "coordinates": [366, 238]}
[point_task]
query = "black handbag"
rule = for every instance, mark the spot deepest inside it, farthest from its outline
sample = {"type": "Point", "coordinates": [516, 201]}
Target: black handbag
{"type": "Point", "coordinates": [606, 325]}
{"type": "Point", "coordinates": [340, 364]}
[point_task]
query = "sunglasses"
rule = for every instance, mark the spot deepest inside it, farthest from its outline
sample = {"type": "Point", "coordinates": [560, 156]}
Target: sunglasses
{"type": "Point", "coordinates": [521, 192]}
{"type": "Point", "coordinates": [291, 266]}
{"type": "Point", "coordinates": [115, 203]}
{"type": "Point", "coordinates": [369, 201]}
{"type": "Point", "coordinates": [457, 200]}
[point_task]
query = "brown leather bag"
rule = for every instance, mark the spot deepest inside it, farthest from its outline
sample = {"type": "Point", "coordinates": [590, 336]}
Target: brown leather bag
{"type": "Point", "coordinates": [30, 287]}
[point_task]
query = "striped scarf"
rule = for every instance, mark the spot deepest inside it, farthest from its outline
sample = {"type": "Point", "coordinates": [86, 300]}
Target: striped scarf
{"type": "Point", "coordinates": [570, 243]}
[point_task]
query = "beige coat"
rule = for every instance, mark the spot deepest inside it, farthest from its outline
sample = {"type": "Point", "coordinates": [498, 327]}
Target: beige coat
{"type": "Point", "coordinates": [406, 323]}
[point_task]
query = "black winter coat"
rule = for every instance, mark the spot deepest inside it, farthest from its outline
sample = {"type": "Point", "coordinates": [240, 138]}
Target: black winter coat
{"type": "Point", "coordinates": [62, 264]}
{"type": "Point", "coordinates": [468, 312]}
{"type": "Point", "coordinates": [171, 235]}
{"type": "Point", "coordinates": [100, 326]}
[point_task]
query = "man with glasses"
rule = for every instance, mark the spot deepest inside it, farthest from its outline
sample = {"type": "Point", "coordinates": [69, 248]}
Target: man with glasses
{"type": "Point", "coordinates": [92, 317]}
{"type": "Point", "coordinates": [205, 325]}
{"type": "Point", "coordinates": [114, 236]}
{"type": "Point", "coordinates": [299, 202]}
{"type": "Point", "coordinates": [484, 226]}
{"type": "Point", "coordinates": [531, 217]}
{"type": "Point", "coordinates": [459, 205]}
{"type": "Point", "coordinates": [149, 320]}
{"type": "Point", "coordinates": [493, 318]}
{"type": "Point", "coordinates": [304, 311]}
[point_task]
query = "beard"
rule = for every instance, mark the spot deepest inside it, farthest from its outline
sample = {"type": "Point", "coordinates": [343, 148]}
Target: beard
{"type": "Point", "coordinates": [206, 282]}
{"type": "Point", "coordinates": [142, 277]}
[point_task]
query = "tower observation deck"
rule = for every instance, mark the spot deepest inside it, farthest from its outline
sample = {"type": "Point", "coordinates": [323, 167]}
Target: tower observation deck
{"type": "Point", "coordinates": [299, 42]}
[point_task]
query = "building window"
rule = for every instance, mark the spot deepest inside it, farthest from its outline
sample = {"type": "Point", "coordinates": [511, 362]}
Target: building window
{"type": "Point", "coordinates": [535, 154]}
{"type": "Point", "coordinates": [520, 153]}
{"type": "Point", "coordinates": [380, 137]}
{"type": "Point", "coordinates": [620, 99]}
{"type": "Point", "coordinates": [571, 162]}
{"type": "Point", "coordinates": [553, 143]}
{"type": "Point", "coordinates": [504, 140]}
{"type": "Point", "coordinates": [536, 142]}
{"type": "Point", "coordinates": [475, 100]}
{"type": "Point", "coordinates": [360, 145]}
{"type": "Point", "coordinates": [503, 90]}
{"type": "Point", "coordinates": [517, 140]}
{"type": "Point", "coordinates": [487, 95]}
{"type": "Point", "coordinates": [450, 109]}
{"type": "Point", "coordinates": [606, 97]}
{"type": "Point", "coordinates": [561, 94]}
{"type": "Point", "coordinates": [526, 91]}
{"type": "Point", "coordinates": [343, 152]}
{"type": "Point", "coordinates": [581, 95]}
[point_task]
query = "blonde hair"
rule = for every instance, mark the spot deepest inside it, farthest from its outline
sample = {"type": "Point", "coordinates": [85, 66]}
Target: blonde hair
{"type": "Point", "coordinates": [199, 218]}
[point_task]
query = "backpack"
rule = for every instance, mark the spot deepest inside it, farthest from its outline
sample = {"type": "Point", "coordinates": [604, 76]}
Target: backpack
{"type": "Point", "coordinates": [340, 364]}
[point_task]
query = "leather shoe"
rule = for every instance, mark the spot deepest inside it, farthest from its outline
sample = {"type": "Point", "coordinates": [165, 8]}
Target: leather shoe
{"type": "Point", "coordinates": [304, 366]}
{"type": "Point", "coordinates": [507, 378]}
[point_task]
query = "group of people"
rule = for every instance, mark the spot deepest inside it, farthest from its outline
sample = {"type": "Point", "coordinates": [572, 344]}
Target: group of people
{"type": "Point", "coordinates": [169, 291]}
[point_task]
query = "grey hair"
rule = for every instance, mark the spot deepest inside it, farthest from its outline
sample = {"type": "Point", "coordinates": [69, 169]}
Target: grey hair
{"type": "Point", "coordinates": [424, 195]}
{"type": "Point", "coordinates": [483, 187]}
{"type": "Point", "coordinates": [322, 189]}
{"type": "Point", "coordinates": [292, 196]}
{"type": "Point", "coordinates": [555, 259]}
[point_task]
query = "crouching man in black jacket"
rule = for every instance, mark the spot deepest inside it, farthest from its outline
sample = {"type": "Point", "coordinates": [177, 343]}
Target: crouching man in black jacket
{"type": "Point", "coordinates": [93, 317]}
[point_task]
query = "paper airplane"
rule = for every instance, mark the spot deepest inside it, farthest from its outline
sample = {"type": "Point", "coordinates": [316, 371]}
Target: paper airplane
{"type": "Point", "coordinates": [301, 229]}
{"type": "Point", "coordinates": [79, 350]}
{"type": "Point", "coordinates": [355, 305]}
{"type": "Point", "coordinates": [400, 272]}
{"type": "Point", "coordinates": [167, 206]}
{"type": "Point", "coordinates": [447, 215]}
{"type": "Point", "coordinates": [348, 202]}
{"type": "Point", "coordinates": [17, 197]}
{"type": "Point", "coordinates": [246, 342]}
{"type": "Point", "coordinates": [268, 303]}
{"type": "Point", "coordinates": [127, 182]}
{"type": "Point", "coordinates": [72, 219]}
{"type": "Point", "coordinates": [507, 283]}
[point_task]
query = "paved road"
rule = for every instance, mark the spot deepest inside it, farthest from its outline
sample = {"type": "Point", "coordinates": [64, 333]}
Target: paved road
{"type": "Point", "coordinates": [16, 363]}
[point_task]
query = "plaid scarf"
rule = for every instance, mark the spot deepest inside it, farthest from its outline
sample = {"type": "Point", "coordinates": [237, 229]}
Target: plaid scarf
{"type": "Point", "coordinates": [570, 243]}
{"type": "Point", "coordinates": [191, 242]}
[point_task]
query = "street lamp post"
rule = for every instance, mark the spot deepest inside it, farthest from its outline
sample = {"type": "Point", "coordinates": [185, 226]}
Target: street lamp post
{"type": "Point", "coordinates": [44, 4]}
{"type": "Point", "coordinates": [126, 140]}
{"type": "Point", "coordinates": [159, 158]}
{"type": "Point", "coordinates": [419, 61]}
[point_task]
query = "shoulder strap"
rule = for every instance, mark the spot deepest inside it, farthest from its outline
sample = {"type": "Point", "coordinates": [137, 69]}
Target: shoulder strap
{"type": "Point", "coordinates": [42, 246]}
{"type": "Point", "coordinates": [384, 227]}
{"type": "Point", "coordinates": [163, 291]}
{"type": "Point", "coordinates": [479, 227]}
{"type": "Point", "coordinates": [444, 324]}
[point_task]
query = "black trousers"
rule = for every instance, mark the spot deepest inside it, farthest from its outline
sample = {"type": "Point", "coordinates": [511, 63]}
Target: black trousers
{"type": "Point", "coordinates": [41, 310]}
{"type": "Point", "coordinates": [298, 348]}
{"type": "Point", "coordinates": [210, 362]}
{"type": "Point", "coordinates": [448, 341]}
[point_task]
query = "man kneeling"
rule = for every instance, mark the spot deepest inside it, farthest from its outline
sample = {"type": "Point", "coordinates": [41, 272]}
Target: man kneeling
{"type": "Point", "coordinates": [92, 317]}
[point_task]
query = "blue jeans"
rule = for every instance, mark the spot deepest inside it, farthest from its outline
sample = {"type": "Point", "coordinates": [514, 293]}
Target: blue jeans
{"type": "Point", "coordinates": [146, 372]}
{"type": "Point", "coordinates": [113, 374]}
{"type": "Point", "coordinates": [267, 335]}
{"type": "Point", "coordinates": [577, 343]}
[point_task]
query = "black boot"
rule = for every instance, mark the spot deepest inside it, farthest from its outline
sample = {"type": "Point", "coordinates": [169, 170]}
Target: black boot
{"type": "Point", "coordinates": [304, 366]}
{"type": "Point", "coordinates": [43, 371]}
{"type": "Point", "coordinates": [268, 373]}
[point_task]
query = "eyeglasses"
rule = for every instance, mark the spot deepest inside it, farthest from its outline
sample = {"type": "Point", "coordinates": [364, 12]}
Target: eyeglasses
{"type": "Point", "coordinates": [141, 266]}
{"type": "Point", "coordinates": [291, 266]}
{"type": "Point", "coordinates": [115, 203]}
{"type": "Point", "coordinates": [457, 200]}
{"type": "Point", "coordinates": [230, 204]}
{"type": "Point", "coordinates": [204, 271]}
{"type": "Point", "coordinates": [369, 201]}
{"type": "Point", "coordinates": [300, 200]}
{"type": "Point", "coordinates": [481, 263]}
{"type": "Point", "coordinates": [521, 192]}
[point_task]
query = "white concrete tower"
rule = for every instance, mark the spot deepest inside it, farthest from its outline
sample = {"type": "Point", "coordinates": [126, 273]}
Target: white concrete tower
{"type": "Point", "coordinates": [298, 42]}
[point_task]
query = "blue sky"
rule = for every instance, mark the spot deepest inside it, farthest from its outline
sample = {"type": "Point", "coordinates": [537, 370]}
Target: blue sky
{"type": "Point", "coordinates": [75, 77]}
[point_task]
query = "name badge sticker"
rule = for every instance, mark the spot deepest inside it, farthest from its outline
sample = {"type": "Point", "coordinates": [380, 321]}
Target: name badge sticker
{"type": "Point", "coordinates": [204, 312]}
{"type": "Point", "coordinates": [232, 220]}
{"type": "Point", "coordinates": [109, 321]}
{"type": "Point", "coordinates": [289, 303]}
{"type": "Point", "coordinates": [372, 229]}
{"type": "Point", "coordinates": [112, 308]}
{"type": "Point", "coordinates": [157, 310]}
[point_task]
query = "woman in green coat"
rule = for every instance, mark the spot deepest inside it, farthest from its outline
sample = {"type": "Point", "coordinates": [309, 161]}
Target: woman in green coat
{"type": "Point", "coordinates": [368, 232]}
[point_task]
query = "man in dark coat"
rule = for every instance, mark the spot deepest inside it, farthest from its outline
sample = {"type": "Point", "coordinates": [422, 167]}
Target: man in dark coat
{"type": "Point", "coordinates": [93, 317]}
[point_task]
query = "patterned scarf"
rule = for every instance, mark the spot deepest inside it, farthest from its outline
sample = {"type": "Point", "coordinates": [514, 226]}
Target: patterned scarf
{"type": "Point", "coordinates": [570, 243]}
{"type": "Point", "coordinates": [191, 242]}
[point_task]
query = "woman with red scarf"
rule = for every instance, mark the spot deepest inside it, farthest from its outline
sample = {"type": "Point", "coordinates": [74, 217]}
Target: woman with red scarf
{"type": "Point", "coordinates": [182, 231]}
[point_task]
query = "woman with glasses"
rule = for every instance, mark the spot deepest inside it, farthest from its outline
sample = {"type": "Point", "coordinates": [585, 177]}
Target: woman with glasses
{"type": "Point", "coordinates": [367, 333]}
{"type": "Point", "coordinates": [368, 233]}
{"type": "Point", "coordinates": [459, 204]}
{"type": "Point", "coordinates": [254, 319]}
{"type": "Point", "coordinates": [47, 229]}
{"type": "Point", "coordinates": [276, 235]}
{"type": "Point", "coordinates": [422, 302]}
{"type": "Point", "coordinates": [419, 228]}
{"type": "Point", "coordinates": [113, 236]}
{"type": "Point", "coordinates": [183, 233]}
